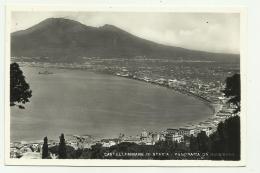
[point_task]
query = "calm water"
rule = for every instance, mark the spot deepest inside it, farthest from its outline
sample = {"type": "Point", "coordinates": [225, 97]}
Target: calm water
{"type": "Point", "coordinates": [80, 102]}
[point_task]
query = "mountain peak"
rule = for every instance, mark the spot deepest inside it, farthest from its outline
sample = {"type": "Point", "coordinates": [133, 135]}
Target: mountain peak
{"type": "Point", "coordinates": [110, 27]}
{"type": "Point", "coordinates": [61, 22]}
{"type": "Point", "coordinates": [58, 20]}
{"type": "Point", "coordinates": [55, 25]}
{"type": "Point", "coordinates": [66, 40]}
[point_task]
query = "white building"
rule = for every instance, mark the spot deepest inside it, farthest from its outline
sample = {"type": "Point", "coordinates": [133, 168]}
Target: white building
{"type": "Point", "coordinates": [207, 130]}
{"type": "Point", "coordinates": [187, 131]}
{"type": "Point", "coordinates": [155, 138]}
{"type": "Point", "coordinates": [173, 135]}
{"type": "Point", "coordinates": [108, 144]}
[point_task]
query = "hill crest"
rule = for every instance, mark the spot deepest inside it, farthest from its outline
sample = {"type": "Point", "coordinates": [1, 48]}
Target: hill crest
{"type": "Point", "coordinates": [66, 40]}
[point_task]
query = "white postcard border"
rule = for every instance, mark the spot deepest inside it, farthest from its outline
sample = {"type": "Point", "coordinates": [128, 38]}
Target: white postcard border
{"type": "Point", "coordinates": [120, 8]}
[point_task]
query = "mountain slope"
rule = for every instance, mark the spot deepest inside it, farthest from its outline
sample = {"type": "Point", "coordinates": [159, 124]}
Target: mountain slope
{"type": "Point", "coordinates": [64, 40]}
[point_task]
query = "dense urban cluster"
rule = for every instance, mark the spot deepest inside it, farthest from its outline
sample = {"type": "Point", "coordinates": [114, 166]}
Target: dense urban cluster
{"type": "Point", "coordinates": [204, 80]}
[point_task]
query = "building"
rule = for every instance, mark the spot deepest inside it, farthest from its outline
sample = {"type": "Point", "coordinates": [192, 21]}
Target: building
{"type": "Point", "coordinates": [175, 83]}
{"type": "Point", "coordinates": [132, 140]}
{"type": "Point", "coordinates": [146, 138]}
{"type": "Point", "coordinates": [161, 81]}
{"type": "Point", "coordinates": [172, 131]}
{"type": "Point", "coordinates": [188, 131]}
{"type": "Point", "coordinates": [146, 79]}
{"type": "Point", "coordinates": [207, 130]}
{"type": "Point", "coordinates": [162, 137]}
{"type": "Point", "coordinates": [173, 135]}
{"type": "Point", "coordinates": [172, 83]}
{"type": "Point", "coordinates": [144, 134]}
{"type": "Point", "coordinates": [25, 149]}
{"type": "Point", "coordinates": [178, 138]}
{"type": "Point", "coordinates": [14, 152]}
{"type": "Point", "coordinates": [224, 114]}
{"type": "Point", "coordinates": [155, 138]}
{"type": "Point", "coordinates": [175, 138]}
{"type": "Point", "coordinates": [108, 143]}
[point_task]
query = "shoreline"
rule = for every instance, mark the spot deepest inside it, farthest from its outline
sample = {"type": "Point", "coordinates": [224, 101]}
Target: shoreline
{"type": "Point", "coordinates": [202, 99]}
{"type": "Point", "coordinates": [207, 102]}
{"type": "Point", "coordinates": [184, 92]}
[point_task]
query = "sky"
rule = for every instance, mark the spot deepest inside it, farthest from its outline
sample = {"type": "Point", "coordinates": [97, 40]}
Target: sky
{"type": "Point", "coordinates": [214, 32]}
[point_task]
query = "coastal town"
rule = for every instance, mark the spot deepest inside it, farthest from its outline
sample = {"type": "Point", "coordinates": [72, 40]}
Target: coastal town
{"type": "Point", "coordinates": [206, 84]}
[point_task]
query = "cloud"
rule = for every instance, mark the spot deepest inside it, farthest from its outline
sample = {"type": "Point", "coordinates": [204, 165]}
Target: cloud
{"type": "Point", "coordinates": [186, 33]}
{"type": "Point", "coordinates": [217, 32]}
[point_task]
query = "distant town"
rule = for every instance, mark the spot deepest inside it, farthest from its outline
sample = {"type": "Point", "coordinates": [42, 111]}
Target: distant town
{"type": "Point", "coordinates": [204, 80]}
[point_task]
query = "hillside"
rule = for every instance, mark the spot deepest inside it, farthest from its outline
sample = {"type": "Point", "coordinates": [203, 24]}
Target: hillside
{"type": "Point", "coordinates": [64, 40]}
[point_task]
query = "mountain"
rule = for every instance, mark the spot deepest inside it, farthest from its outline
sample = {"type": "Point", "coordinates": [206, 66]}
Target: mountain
{"type": "Point", "coordinates": [64, 40]}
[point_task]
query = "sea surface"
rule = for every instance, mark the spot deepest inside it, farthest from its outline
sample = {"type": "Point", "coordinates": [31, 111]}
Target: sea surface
{"type": "Point", "coordinates": [87, 103]}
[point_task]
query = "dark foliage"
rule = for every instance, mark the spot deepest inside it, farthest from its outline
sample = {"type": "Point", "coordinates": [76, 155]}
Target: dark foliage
{"type": "Point", "coordinates": [71, 153]}
{"type": "Point", "coordinates": [194, 147]}
{"type": "Point", "coordinates": [62, 148]}
{"type": "Point", "coordinates": [19, 89]}
{"type": "Point", "coordinates": [97, 151]}
{"type": "Point", "coordinates": [232, 90]}
{"type": "Point", "coordinates": [224, 144]}
{"type": "Point", "coordinates": [227, 139]}
{"type": "Point", "coordinates": [203, 142]}
{"type": "Point", "coordinates": [45, 149]}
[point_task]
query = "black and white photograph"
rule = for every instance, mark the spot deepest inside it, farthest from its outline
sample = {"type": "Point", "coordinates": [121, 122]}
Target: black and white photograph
{"type": "Point", "coordinates": [124, 85]}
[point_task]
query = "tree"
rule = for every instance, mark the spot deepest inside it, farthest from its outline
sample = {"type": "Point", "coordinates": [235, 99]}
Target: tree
{"type": "Point", "coordinates": [232, 90]}
{"type": "Point", "coordinates": [227, 139]}
{"type": "Point", "coordinates": [232, 127]}
{"type": "Point", "coordinates": [62, 148]}
{"type": "Point", "coordinates": [203, 142]}
{"type": "Point", "coordinates": [193, 144]}
{"type": "Point", "coordinates": [228, 133]}
{"type": "Point", "coordinates": [71, 153]}
{"type": "Point", "coordinates": [97, 151]}
{"type": "Point", "coordinates": [19, 89]}
{"type": "Point", "coordinates": [45, 149]}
